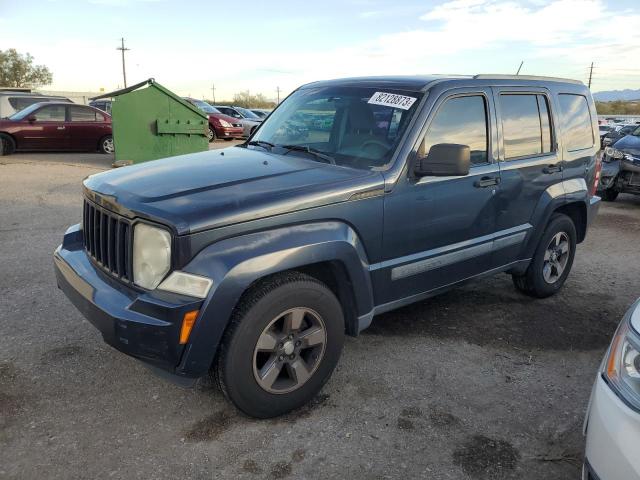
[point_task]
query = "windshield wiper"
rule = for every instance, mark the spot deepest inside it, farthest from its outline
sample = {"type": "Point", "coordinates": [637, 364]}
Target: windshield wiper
{"type": "Point", "coordinates": [311, 150]}
{"type": "Point", "coordinates": [261, 143]}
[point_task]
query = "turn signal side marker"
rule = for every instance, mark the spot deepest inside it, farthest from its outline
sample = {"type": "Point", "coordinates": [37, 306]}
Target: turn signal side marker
{"type": "Point", "coordinates": [187, 324]}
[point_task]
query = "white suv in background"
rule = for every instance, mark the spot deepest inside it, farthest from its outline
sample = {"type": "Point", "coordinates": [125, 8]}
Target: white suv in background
{"type": "Point", "coordinates": [612, 425]}
{"type": "Point", "coordinates": [12, 102]}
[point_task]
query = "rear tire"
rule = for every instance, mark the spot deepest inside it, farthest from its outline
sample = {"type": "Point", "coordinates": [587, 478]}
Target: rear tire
{"type": "Point", "coordinates": [552, 261]}
{"type": "Point", "coordinates": [8, 144]}
{"type": "Point", "coordinates": [106, 145]}
{"type": "Point", "coordinates": [281, 346]}
{"type": "Point", "coordinates": [610, 194]}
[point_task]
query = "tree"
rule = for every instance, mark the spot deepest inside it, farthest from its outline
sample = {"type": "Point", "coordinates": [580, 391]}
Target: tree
{"type": "Point", "coordinates": [18, 70]}
{"type": "Point", "coordinates": [246, 100]}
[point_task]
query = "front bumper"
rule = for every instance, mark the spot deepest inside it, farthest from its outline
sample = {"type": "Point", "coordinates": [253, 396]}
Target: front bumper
{"type": "Point", "coordinates": [613, 436]}
{"type": "Point", "coordinates": [229, 132]}
{"type": "Point", "coordinates": [145, 325]}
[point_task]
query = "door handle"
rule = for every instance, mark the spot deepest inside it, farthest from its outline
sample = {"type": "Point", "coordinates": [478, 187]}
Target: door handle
{"type": "Point", "coordinates": [485, 182]}
{"type": "Point", "coordinates": [552, 169]}
{"type": "Point", "coordinates": [60, 128]}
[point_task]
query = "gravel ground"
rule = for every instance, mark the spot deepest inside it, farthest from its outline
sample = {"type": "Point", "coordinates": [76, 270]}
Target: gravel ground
{"type": "Point", "coordinates": [479, 383]}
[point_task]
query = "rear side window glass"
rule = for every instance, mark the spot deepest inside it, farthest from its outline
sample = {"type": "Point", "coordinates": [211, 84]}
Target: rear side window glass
{"type": "Point", "coordinates": [576, 122]}
{"type": "Point", "coordinates": [521, 126]}
{"type": "Point", "coordinates": [461, 120]}
{"type": "Point", "coordinates": [50, 113]}
{"type": "Point", "coordinates": [545, 124]}
{"type": "Point", "coordinates": [80, 114]}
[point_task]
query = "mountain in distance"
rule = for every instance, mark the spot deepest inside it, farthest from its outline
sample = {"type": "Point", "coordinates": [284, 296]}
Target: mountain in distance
{"type": "Point", "coordinates": [612, 95]}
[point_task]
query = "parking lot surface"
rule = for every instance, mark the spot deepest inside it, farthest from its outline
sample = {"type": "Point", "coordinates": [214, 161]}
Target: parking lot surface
{"type": "Point", "coordinates": [481, 382]}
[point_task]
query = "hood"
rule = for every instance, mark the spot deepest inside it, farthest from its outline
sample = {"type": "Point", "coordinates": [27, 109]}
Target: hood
{"type": "Point", "coordinates": [211, 189]}
{"type": "Point", "coordinates": [629, 144]}
{"type": "Point", "coordinates": [222, 116]}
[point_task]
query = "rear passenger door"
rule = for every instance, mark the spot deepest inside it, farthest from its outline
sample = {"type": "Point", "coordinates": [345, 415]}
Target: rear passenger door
{"type": "Point", "coordinates": [529, 164]}
{"type": "Point", "coordinates": [85, 127]}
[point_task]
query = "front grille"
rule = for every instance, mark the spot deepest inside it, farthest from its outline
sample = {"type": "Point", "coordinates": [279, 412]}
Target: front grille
{"type": "Point", "coordinates": [107, 240]}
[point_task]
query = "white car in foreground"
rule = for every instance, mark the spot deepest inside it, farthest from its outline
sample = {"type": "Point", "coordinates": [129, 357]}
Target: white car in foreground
{"type": "Point", "coordinates": [612, 425]}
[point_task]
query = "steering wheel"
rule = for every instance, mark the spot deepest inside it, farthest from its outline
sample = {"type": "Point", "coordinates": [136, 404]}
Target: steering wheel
{"type": "Point", "coordinates": [376, 143]}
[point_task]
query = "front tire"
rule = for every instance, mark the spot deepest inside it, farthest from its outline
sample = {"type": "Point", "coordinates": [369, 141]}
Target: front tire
{"type": "Point", "coordinates": [8, 144]}
{"type": "Point", "coordinates": [283, 342]}
{"type": "Point", "coordinates": [610, 194]}
{"type": "Point", "coordinates": [211, 134]}
{"type": "Point", "coordinates": [552, 261]}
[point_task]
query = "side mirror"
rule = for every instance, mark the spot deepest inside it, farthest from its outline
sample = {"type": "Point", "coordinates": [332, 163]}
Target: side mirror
{"type": "Point", "coordinates": [32, 118]}
{"type": "Point", "coordinates": [444, 160]}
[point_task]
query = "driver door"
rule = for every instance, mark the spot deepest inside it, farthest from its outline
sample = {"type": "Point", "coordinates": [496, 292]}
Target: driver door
{"type": "Point", "coordinates": [47, 131]}
{"type": "Point", "coordinates": [438, 230]}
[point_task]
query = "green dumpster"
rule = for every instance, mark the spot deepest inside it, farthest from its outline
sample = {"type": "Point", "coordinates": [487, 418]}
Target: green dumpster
{"type": "Point", "coordinates": [153, 122]}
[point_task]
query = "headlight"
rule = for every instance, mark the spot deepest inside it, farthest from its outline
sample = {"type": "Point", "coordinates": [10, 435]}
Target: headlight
{"type": "Point", "coordinates": [187, 284]}
{"type": "Point", "coordinates": [622, 366]}
{"type": "Point", "coordinates": [151, 255]}
{"type": "Point", "coordinates": [224, 123]}
{"type": "Point", "coordinates": [613, 153]}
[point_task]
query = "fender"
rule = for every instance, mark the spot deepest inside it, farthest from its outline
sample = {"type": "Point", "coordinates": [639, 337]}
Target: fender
{"type": "Point", "coordinates": [235, 263]}
{"type": "Point", "coordinates": [554, 197]}
{"type": "Point", "coordinates": [609, 173]}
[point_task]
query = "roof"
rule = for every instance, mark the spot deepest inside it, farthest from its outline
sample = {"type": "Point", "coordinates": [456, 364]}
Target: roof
{"type": "Point", "coordinates": [151, 82]}
{"type": "Point", "coordinates": [422, 82]}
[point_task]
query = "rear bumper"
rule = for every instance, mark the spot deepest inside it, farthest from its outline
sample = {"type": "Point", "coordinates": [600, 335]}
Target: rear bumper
{"type": "Point", "coordinates": [592, 209]}
{"type": "Point", "coordinates": [613, 436]}
{"type": "Point", "coordinates": [144, 325]}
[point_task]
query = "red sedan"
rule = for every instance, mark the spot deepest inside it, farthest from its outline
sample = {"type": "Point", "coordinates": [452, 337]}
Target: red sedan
{"type": "Point", "coordinates": [57, 126]}
{"type": "Point", "coordinates": [220, 125]}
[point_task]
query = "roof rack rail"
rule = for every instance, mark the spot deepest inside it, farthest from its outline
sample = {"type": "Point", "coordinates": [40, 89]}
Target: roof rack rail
{"type": "Point", "coordinates": [526, 77]}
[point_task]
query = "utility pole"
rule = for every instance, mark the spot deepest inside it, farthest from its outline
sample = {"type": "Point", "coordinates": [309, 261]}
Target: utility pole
{"type": "Point", "coordinates": [590, 74]}
{"type": "Point", "coordinates": [278, 90]}
{"type": "Point", "coordinates": [521, 63]}
{"type": "Point", "coordinates": [213, 92]}
{"type": "Point", "coordinates": [124, 71]}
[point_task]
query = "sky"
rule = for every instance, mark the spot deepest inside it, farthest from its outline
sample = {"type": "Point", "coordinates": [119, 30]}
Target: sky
{"type": "Point", "coordinates": [261, 46]}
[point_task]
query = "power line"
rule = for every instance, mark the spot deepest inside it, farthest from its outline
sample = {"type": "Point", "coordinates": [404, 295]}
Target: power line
{"type": "Point", "coordinates": [124, 71]}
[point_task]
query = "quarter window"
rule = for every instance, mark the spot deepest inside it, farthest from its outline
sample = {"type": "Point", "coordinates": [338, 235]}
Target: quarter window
{"type": "Point", "coordinates": [80, 114]}
{"type": "Point", "coordinates": [576, 122]}
{"type": "Point", "coordinates": [526, 125]}
{"type": "Point", "coordinates": [461, 120]}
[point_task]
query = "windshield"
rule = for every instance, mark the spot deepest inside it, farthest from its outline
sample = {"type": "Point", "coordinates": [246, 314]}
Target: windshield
{"type": "Point", "coordinates": [24, 113]}
{"type": "Point", "coordinates": [636, 132]}
{"type": "Point", "coordinates": [204, 106]}
{"type": "Point", "coordinates": [357, 127]}
{"type": "Point", "coordinates": [259, 113]}
{"type": "Point", "coordinates": [246, 113]}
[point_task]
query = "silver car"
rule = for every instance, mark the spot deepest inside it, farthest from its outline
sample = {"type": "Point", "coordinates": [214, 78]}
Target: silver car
{"type": "Point", "coordinates": [247, 118]}
{"type": "Point", "coordinates": [612, 425]}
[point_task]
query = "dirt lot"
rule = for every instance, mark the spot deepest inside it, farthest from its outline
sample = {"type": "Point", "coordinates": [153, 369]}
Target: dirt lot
{"type": "Point", "coordinates": [480, 383]}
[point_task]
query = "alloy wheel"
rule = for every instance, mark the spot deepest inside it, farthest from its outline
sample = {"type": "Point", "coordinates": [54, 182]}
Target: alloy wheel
{"type": "Point", "coordinates": [556, 257]}
{"type": "Point", "coordinates": [107, 145]}
{"type": "Point", "coordinates": [289, 350]}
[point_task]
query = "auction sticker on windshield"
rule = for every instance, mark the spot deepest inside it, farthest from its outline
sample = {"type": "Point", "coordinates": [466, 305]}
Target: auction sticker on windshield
{"type": "Point", "coordinates": [392, 100]}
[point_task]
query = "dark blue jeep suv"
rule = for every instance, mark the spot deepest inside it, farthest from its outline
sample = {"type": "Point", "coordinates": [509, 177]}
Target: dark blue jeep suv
{"type": "Point", "coordinates": [253, 262]}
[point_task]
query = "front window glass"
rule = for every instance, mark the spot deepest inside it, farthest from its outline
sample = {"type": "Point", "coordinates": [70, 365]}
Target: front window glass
{"type": "Point", "coordinates": [204, 106]}
{"type": "Point", "coordinates": [247, 113]}
{"type": "Point", "coordinates": [356, 127]}
{"type": "Point", "coordinates": [461, 120]}
{"type": "Point", "coordinates": [50, 113]}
